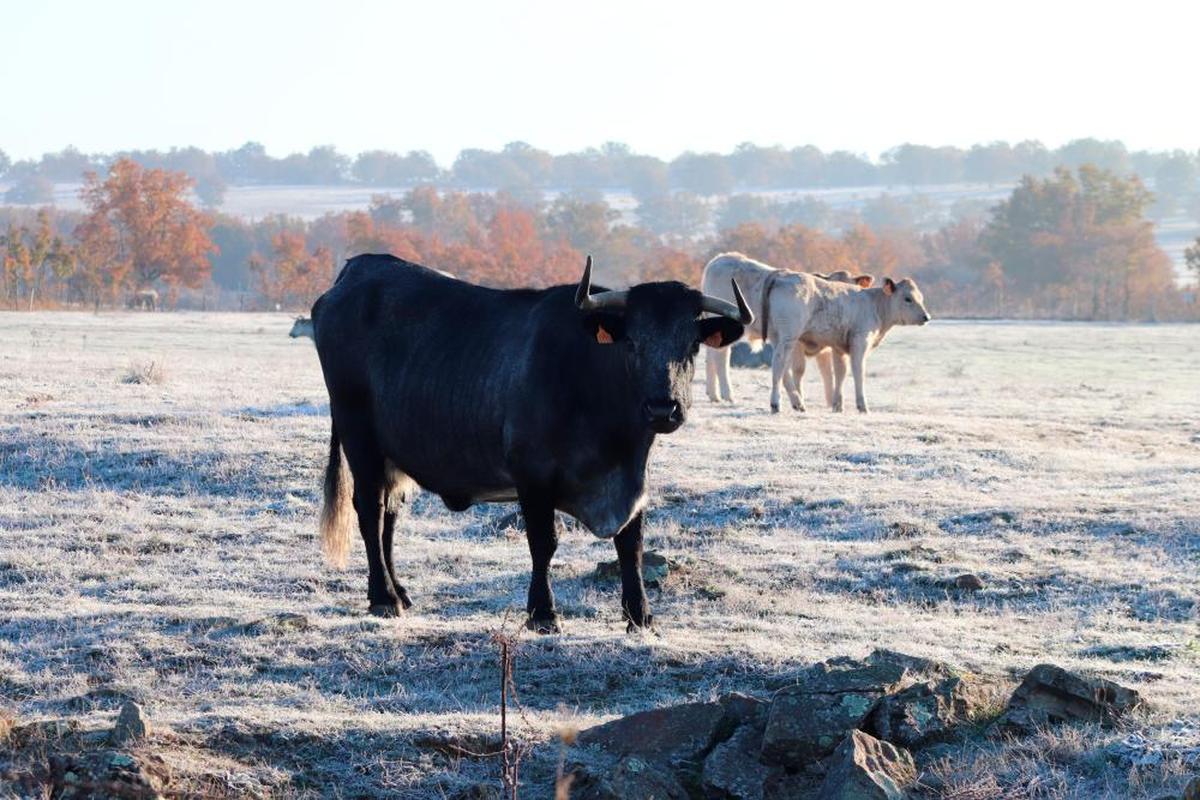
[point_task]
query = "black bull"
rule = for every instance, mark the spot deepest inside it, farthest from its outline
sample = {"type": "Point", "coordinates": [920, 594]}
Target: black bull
{"type": "Point", "coordinates": [548, 397]}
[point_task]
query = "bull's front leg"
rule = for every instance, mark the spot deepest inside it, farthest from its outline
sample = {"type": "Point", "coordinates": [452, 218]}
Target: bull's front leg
{"type": "Point", "coordinates": [858, 360]}
{"type": "Point", "coordinates": [542, 535]}
{"type": "Point", "coordinates": [634, 605]}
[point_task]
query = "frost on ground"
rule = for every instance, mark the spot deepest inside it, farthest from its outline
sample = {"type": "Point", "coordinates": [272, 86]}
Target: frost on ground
{"type": "Point", "coordinates": [155, 536]}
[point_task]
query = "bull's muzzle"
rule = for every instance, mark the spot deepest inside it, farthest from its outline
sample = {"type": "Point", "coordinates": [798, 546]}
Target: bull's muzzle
{"type": "Point", "coordinates": [663, 416]}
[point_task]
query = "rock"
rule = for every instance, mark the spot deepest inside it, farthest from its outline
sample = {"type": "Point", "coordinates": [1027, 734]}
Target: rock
{"type": "Point", "coordinates": [807, 721]}
{"type": "Point", "coordinates": [131, 725]}
{"type": "Point", "coordinates": [1192, 791]}
{"type": "Point", "coordinates": [655, 569]}
{"type": "Point", "coordinates": [732, 770]}
{"type": "Point", "coordinates": [1050, 694]}
{"type": "Point", "coordinates": [632, 777]}
{"type": "Point", "coordinates": [968, 582]}
{"type": "Point", "coordinates": [677, 736]}
{"type": "Point", "coordinates": [864, 768]}
{"type": "Point", "coordinates": [924, 712]}
{"type": "Point", "coordinates": [743, 355]}
{"type": "Point", "coordinates": [742, 708]}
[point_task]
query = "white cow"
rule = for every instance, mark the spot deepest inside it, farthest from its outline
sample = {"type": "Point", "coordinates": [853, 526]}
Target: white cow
{"type": "Point", "coordinates": [303, 326]}
{"type": "Point", "coordinates": [811, 314]}
{"type": "Point", "coordinates": [755, 279]}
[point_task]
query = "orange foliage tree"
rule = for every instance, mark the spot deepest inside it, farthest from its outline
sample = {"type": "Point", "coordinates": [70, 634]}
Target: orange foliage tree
{"type": "Point", "coordinates": [141, 229]}
{"type": "Point", "coordinates": [293, 277]}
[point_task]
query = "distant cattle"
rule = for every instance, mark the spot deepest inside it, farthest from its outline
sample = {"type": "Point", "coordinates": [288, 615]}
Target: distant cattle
{"type": "Point", "coordinates": [144, 299]}
{"type": "Point", "coordinates": [302, 327]}
{"type": "Point", "coordinates": [757, 280]}
{"type": "Point", "coordinates": [550, 397]}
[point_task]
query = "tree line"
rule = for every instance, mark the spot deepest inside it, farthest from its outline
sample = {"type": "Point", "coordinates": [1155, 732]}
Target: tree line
{"type": "Point", "coordinates": [522, 170]}
{"type": "Point", "coordinates": [1074, 244]}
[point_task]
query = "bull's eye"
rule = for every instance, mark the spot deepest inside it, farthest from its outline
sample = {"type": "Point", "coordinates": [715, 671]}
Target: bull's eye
{"type": "Point", "coordinates": [908, 299]}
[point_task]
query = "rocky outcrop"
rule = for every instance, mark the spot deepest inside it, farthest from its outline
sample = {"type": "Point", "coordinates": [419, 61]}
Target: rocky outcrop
{"type": "Point", "coordinates": [864, 768]}
{"type": "Point", "coordinates": [841, 731]}
{"type": "Point", "coordinates": [1051, 695]}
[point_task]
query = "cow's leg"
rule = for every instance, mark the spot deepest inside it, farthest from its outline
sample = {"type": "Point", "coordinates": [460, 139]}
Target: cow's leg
{"type": "Point", "coordinates": [780, 362]}
{"type": "Point", "coordinates": [839, 379]}
{"type": "Point", "coordinates": [793, 379]}
{"type": "Point", "coordinates": [370, 503]}
{"type": "Point", "coordinates": [710, 374]}
{"type": "Point", "coordinates": [825, 365]}
{"type": "Point", "coordinates": [543, 541]}
{"type": "Point", "coordinates": [724, 355]}
{"type": "Point", "coordinates": [858, 360]}
{"type": "Point", "coordinates": [634, 605]}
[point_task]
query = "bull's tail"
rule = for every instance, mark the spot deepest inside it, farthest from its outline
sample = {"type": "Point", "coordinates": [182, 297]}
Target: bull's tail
{"type": "Point", "coordinates": [337, 513]}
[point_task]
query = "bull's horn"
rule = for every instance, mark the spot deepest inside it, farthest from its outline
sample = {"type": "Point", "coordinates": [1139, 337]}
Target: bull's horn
{"type": "Point", "coordinates": [587, 301]}
{"type": "Point", "coordinates": [741, 312]}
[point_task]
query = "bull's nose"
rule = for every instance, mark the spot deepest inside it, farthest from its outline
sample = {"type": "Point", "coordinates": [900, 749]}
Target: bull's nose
{"type": "Point", "coordinates": [927, 318]}
{"type": "Point", "coordinates": [664, 416]}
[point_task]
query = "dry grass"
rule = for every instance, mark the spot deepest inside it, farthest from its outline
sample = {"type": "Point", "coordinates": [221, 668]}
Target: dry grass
{"type": "Point", "coordinates": [146, 373]}
{"type": "Point", "coordinates": [143, 526]}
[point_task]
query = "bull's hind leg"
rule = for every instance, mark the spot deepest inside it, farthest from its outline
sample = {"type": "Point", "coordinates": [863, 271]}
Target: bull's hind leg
{"type": "Point", "coordinates": [542, 534]}
{"type": "Point", "coordinates": [370, 503]}
{"type": "Point", "coordinates": [634, 605]}
{"type": "Point", "coordinates": [398, 489]}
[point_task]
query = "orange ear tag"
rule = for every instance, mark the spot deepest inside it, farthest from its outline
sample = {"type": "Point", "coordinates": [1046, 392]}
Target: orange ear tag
{"type": "Point", "coordinates": [714, 339]}
{"type": "Point", "coordinates": [603, 336]}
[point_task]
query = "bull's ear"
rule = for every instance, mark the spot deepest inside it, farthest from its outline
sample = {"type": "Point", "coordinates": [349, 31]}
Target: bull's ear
{"type": "Point", "coordinates": [720, 331]}
{"type": "Point", "coordinates": [864, 280]}
{"type": "Point", "coordinates": [889, 286]}
{"type": "Point", "coordinates": [604, 328]}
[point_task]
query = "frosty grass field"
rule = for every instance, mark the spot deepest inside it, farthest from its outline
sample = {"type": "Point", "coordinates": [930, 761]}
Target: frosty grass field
{"type": "Point", "coordinates": [159, 480]}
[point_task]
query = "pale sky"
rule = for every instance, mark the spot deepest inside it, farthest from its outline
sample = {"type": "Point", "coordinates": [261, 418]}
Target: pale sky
{"type": "Point", "coordinates": [663, 77]}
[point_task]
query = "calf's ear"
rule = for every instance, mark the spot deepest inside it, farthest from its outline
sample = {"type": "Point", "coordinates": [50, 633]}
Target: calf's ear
{"type": "Point", "coordinates": [864, 280]}
{"type": "Point", "coordinates": [889, 286]}
{"type": "Point", "coordinates": [604, 328]}
{"type": "Point", "coordinates": [720, 331]}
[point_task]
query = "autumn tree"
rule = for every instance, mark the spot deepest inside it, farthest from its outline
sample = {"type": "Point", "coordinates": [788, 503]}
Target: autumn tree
{"type": "Point", "coordinates": [1082, 238]}
{"type": "Point", "coordinates": [1191, 258]}
{"type": "Point", "coordinates": [28, 254]}
{"type": "Point", "coordinates": [294, 276]}
{"type": "Point", "coordinates": [141, 230]}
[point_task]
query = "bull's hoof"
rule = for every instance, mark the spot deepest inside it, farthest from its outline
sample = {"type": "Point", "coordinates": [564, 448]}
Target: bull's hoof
{"type": "Point", "coordinates": [645, 626]}
{"type": "Point", "coordinates": [544, 624]}
{"type": "Point", "coordinates": [774, 408]}
{"type": "Point", "coordinates": [405, 603]}
{"type": "Point", "coordinates": [386, 610]}
{"type": "Point", "coordinates": [799, 407]}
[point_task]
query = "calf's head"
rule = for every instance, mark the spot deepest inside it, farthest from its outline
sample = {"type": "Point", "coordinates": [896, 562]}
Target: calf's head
{"type": "Point", "coordinates": [659, 328]}
{"type": "Point", "coordinates": [906, 304]}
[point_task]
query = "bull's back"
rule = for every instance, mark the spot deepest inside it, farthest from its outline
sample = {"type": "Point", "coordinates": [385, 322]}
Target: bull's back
{"type": "Point", "coordinates": [429, 362]}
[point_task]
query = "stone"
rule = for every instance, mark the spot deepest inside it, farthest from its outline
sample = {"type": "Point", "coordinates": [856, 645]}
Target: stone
{"type": "Point", "coordinates": [732, 770]}
{"type": "Point", "coordinates": [131, 725]}
{"type": "Point", "coordinates": [1050, 694]}
{"type": "Point", "coordinates": [632, 777]}
{"type": "Point", "coordinates": [655, 569]}
{"type": "Point", "coordinates": [808, 721]}
{"type": "Point", "coordinates": [864, 768]}
{"type": "Point", "coordinates": [925, 712]}
{"type": "Point", "coordinates": [677, 736]}
{"type": "Point", "coordinates": [968, 582]}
